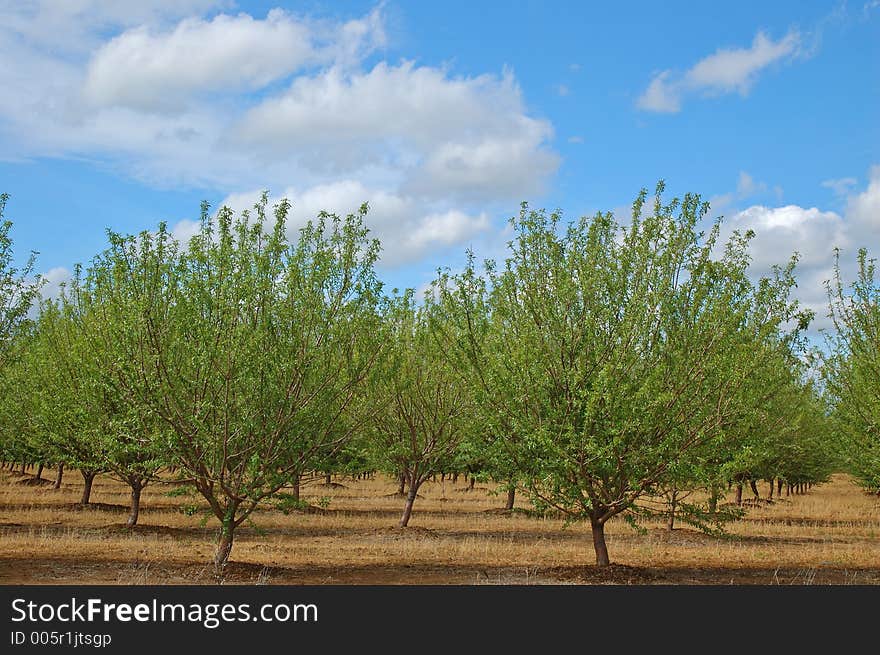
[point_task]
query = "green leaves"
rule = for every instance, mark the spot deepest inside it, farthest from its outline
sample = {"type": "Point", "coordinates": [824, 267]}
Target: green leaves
{"type": "Point", "coordinates": [248, 349]}
{"type": "Point", "coordinates": [608, 356]}
{"type": "Point", "coordinates": [851, 370]}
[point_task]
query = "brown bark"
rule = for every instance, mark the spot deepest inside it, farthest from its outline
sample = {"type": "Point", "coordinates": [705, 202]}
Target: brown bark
{"type": "Point", "coordinates": [225, 539]}
{"type": "Point", "coordinates": [328, 479]}
{"type": "Point", "coordinates": [408, 506]}
{"type": "Point", "coordinates": [136, 488]}
{"type": "Point", "coordinates": [224, 547]}
{"type": "Point", "coordinates": [739, 493]}
{"type": "Point", "coordinates": [40, 471]}
{"type": "Point", "coordinates": [754, 485]}
{"type": "Point", "coordinates": [511, 497]}
{"type": "Point", "coordinates": [772, 484]}
{"type": "Point", "coordinates": [599, 544]}
{"type": "Point", "coordinates": [670, 523]}
{"type": "Point", "coordinates": [471, 484]}
{"type": "Point", "coordinates": [779, 487]}
{"type": "Point", "coordinates": [58, 477]}
{"type": "Point", "coordinates": [401, 484]}
{"type": "Point", "coordinates": [88, 479]}
{"type": "Point", "coordinates": [296, 483]}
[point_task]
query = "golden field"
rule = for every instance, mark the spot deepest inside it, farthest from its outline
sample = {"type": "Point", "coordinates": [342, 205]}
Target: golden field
{"type": "Point", "coordinates": [830, 535]}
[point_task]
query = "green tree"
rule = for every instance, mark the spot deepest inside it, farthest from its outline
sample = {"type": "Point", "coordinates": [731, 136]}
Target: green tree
{"type": "Point", "coordinates": [18, 291]}
{"type": "Point", "coordinates": [851, 369]}
{"type": "Point", "coordinates": [609, 353]}
{"type": "Point", "coordinates": [424, 412]}
{"type": "Point", "coordinates": [68, 418]}
{"type": "Point", "coordinates": [250, 348]}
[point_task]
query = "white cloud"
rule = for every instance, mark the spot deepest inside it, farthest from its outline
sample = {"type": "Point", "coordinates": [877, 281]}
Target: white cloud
{"type": "Point", "coordinates": [840, 186]}
{"type": "Point", "coordinates": [661, 95]}
{"type": "Point", "coordinates": [142, 69]}
{"type": "Point", "coordinates": [438, 135]}
{"type": "Point", "coordinates": [725, 71]}
{"type": "Point", "coordinates": [863, 213]}
{"type": "Point", "coordinates": [813, 234]}
{"type": "Point", "coordinates": [76, 27]}
{"type": "Point", "coordinates": [152, 70]}
{"type": "Point", "coordinates": [735, 69]}
{"type": "Point", "coordinates": [53, 281]}
{"type": "Point", "coordinates": [176, 94]}
{"type": "Point", "coordinates": [780, 231]}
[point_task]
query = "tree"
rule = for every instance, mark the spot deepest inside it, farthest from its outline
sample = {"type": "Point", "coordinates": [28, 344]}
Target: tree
{"type": "Point", "coordinates": [18, 291]}
{"type": "Point", "coordinates": [68, 417]}
{"type": "Point", "coordinates": [851, 369]}
{"type": "Point", "coordinates": [609, 353]}
{"type": "Point", "coordinates": [249, 348]}
{"type": "Point", "coordinates": [424, 413]}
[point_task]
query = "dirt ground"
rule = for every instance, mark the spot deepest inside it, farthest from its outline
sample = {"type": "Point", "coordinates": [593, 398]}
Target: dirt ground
{"type": "Point", "coordinates": [831, 535]}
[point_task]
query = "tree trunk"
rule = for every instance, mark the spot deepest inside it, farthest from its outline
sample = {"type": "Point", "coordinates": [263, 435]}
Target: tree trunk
{"type": "Point", "coordinates": [739, 493]}
{"type": "Point", "coordinates": [328, 479]}
{"type": "Point", "coordinates": [407, 508]}
{"type": "Point", "coordinates": [779, 487]}
{"type": "Point", "coordinates": [471, 485]}
{"type": "Point", "coordinates": [454, 478]}
{"type": "Point", "coordinates": [136, 488]}
{"type": "Point", "coordinates": [59, 476]}
{"type": "Point", "coordinates": [40, 471]}
{"type": "Point", "coordinates": [599, 542]}
{"type": "Point", "coordinates": [670, 524]}
{"type": "Point", "coordinates": [88, 478]}
{"type": "Point", "coordinates": [511, 497]}
{"type": "Point", "coordinates": [754, 485]}
{"type": "Point", "coordinates": [296, 482]}
{"type": "Point", "coordinates": [401, 484]}
{"type": "Point", "coordinates": [772, 484]}
{"type": "Point", "coordinates": [224, 540]}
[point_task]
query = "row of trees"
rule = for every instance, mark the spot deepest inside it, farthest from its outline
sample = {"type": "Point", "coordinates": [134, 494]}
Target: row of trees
{"type": "Point", "coordinates": [600, 367]}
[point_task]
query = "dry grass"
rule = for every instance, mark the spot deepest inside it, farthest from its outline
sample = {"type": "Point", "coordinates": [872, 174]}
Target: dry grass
{"type": "Point", "coordinates": [830, 535]}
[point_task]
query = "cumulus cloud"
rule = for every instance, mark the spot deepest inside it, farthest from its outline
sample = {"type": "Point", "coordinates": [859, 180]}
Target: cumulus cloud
{"type": "Point", "coordinates": [727, 70]}
{"type": "Point", "coordinates": [813, 234]}
{"type": "Point", "coordinates": [188, 94]}
{"type": "Point", "coordinates": [237, 100]}
{"type": "Point", "coordinates": [153, 70]}
{"type": "Point", "coordinates": [467, 137]}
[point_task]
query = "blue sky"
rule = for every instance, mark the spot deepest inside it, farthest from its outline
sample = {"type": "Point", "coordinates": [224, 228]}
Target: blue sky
{"type": "Point", "coordinates": [444, 116]}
